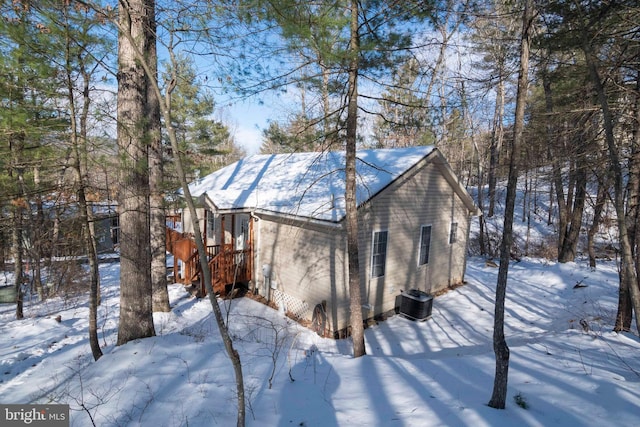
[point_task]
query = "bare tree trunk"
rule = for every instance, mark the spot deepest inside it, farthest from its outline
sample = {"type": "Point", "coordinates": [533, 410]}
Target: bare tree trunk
{"type": "Point", "coordinates": [480, 186]}
{"type": "Point", "coordinates": [634, 184]}
{"type": "Point", "coordinates": [38, 238]}
{"type": "Point", "coordinates": [556, 165]}
{"type": "Point", "coordinates": [18, 204]}
{"type": "Point", "coordinates": [496, 145]}
{"type": "Point", "coordinates": [79, 149]}
{"type": "Point", "coordinates": [136, 312]}
{"type": "Point", "coordinates": [601, 199]}
{"type": "Point", "coordinates": [234, 356]}
{"type": "Point", "coordinates": [16, 249]}
{"type": "Point", "coordinates": [574, 219]}
{"type": "Point", "coordinates": [158, 240]}
{"type": "Point", "coordinates": [628, 264]}
{"type": "Point", "coordinates": [624, 315]}
{"type": "Point", "coordinates": [202, 254]}
{"type": "Point", "coordinates": [500, 347]}
{"type": "Point", "coordinates": [357, 326]}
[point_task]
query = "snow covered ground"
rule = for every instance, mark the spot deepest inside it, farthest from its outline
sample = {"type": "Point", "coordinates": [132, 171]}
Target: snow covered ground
{"type": "Point", "coordinates": [567, 367]}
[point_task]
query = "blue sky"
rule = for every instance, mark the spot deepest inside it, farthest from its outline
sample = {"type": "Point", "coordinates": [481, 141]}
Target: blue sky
{"type": "Point", "coordinates": [247, 120]}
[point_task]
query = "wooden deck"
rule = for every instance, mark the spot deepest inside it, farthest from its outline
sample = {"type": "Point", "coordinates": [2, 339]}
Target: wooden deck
{"type": "Point", "coordinates": [227, 265]}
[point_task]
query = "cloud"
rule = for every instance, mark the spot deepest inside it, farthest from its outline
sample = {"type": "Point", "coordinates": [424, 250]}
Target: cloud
{"type": "Point", "coordinates": [249, 138]}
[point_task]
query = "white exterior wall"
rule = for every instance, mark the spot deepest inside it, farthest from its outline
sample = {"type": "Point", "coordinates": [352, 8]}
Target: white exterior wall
{"type": "Point", "coordinates": [187, 227]}
{"type": "Point", "coordinates": [425, 198]}
{"type": "Point", "coordinates": [308, 261]}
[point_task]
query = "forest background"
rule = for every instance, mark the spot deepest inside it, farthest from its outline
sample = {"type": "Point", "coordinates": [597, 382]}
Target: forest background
{"type": "Point", "coordinates": [344, 75]}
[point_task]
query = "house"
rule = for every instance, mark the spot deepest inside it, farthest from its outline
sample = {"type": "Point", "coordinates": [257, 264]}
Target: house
{"type": "Point", "coordinates": [277, 222]}
{"type": "Point", "coordinates": [107, 228]}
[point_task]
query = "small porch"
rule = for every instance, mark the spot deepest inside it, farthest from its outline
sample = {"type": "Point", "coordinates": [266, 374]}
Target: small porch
{"type": "Point", "coordinates": [228, 240]}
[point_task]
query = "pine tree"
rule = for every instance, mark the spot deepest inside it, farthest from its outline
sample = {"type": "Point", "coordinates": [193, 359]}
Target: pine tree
{"type": "Point", "coordinates": [604, 38]}
{"type": "Point", "coordinates": [29, 122]}
{"type": "Point", "coordinates": [348, 40]}
{"type": "Point", "coordinates": [136, 309]}
{"type": "Point", "coordinates": [203, 139]}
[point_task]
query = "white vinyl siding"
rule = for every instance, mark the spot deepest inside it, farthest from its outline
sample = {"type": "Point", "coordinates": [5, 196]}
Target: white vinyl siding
{"type": "Point", "coordinates": [309, 261]}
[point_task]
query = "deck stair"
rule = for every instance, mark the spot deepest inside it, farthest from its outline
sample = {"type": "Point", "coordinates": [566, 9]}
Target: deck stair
{"type": "Point", "coordinates": [227, 266]}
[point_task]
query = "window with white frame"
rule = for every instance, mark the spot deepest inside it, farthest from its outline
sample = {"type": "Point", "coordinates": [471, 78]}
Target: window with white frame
{"type": "Point", "coordinates": [378, 253]}
{"type": "Point", "coordinates": [211, 225]}
{"type": "Point", "coordinates": [425, 244]}
{"type": "Point", "coordinates": [453, 233]}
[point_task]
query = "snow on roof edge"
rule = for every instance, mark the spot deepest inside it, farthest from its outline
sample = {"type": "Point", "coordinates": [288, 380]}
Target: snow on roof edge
{"type": "Point", "coordinates": [309, 185]}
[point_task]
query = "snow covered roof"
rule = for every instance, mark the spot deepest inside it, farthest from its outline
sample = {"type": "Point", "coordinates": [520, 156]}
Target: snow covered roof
{"type": "Point", "coordinates": [304, 184]}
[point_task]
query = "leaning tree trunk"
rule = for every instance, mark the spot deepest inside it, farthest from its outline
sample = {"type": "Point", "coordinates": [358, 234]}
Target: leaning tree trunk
{"type": "Point", "coordinates": [627, 262]}
{"type": "Point", "coordinates": [158, 241]}
{"type": "Point", "coordinates": [624, 315]}
{"type": "Point", "coordinates": [634, 181]}
{"type": "Point", "coordinates": [202, 254]}
{"type": "Point", "coordinates": [355, 305]}
{"type": "Point", "coordinates": [233, 354]}
{"type": "Point", "coordinates": [136, 312]}
{"type": "Point", "coordinates": [500, 347]}
{"type": "Point", "coordinates": [79, 147]}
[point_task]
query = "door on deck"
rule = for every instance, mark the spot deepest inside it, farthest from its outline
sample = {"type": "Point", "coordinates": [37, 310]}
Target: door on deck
{"type": "Point", "coordinates": [232, 254]}
{"type": "Point", "coordinates": [241, 232]}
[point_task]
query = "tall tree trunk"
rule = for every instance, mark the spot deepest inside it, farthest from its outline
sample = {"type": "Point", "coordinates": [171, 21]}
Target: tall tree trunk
{"type": "Point", "coordinates": [233, 354]}
{"type": "Point", "coordinates": [634, 182]}
{"type": "Point", "coordinates": [571, 208]}
{"type": "Point", "coordinates": [355, 305]}
{"type": "Point", "coordinates": [202, 254]}
{"type": "Point", "coordinates": [136, 315]}
{"type": "Point", "coordinates": [574, 218]}
{"type": "Point", "coordinates": [627, 261]}
{"type": "Point", "coordinates": [500, 347]}
{"type": "Point", "coordinates": [16, 252]}
{"type": "Point", "coordinates": [556, 163]}
{"type": "Point", "coordinates": [158, 240]}
{"type": "Point", "coordinates": [16, 145]}
{"type": "Point", "coordinates": [625, 313]}
{"type": "Point", "coordinates": [79, 142]}
{"type": "Point", "coordinates": [480, 173]}
{"type": "Point", "coordinates": [38, 237]}
{"type": "Point", "coordinates": [495, 147]}
{"type": "Point", "coordinates": [598, 208]}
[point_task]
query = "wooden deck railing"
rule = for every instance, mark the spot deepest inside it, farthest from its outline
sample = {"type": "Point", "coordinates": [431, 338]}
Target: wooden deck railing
{"type": "Point", "coordinates": [231, 267]}
{"type": "Point", "coordinates": [226, 265]}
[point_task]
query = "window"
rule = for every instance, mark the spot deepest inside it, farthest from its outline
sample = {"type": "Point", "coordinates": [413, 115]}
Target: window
{"type": "Point", "coordinates": [425, 244]}
{"type": "Point", "coordinates": [453, 233]}
{"type": "Point", "coordinates": [211, 226]}
{"type": "Point", "coordinates": [115, 230]}
{"type": "Point", "coordinates": [378, 253]}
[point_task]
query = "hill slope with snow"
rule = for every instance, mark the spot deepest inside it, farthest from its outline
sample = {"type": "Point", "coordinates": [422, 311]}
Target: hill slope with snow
{"type": "Point", "coordinates": [567, 367]}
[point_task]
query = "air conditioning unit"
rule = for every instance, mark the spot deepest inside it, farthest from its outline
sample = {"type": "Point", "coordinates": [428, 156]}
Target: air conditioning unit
{"type": "Point", "coordinates": [416, 304]}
